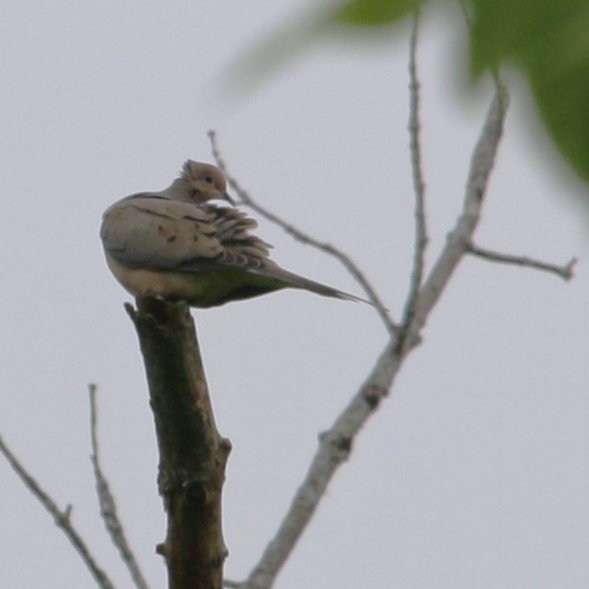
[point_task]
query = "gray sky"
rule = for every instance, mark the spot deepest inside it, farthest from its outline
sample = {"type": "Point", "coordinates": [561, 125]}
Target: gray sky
{"type": "Point", "coordinates": [472, 475]}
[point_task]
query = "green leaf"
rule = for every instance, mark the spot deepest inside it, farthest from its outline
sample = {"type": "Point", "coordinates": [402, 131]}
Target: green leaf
{"type": "Point", "coordinates": [549, 41]}
{"type": "Point", "coordinates": [374, 13]}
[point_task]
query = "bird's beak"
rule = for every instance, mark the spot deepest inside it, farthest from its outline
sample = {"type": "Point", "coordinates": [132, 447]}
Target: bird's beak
{"type": "Point", "coordinates": [228, 199]}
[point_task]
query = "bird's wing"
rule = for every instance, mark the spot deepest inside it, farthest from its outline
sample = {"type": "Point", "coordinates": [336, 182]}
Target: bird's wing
{"type": "Point", "coordinates": [153, 232]}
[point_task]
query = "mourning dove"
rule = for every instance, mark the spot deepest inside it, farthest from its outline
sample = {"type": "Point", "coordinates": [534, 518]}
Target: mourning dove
{"type": "Point", "coordinates": [176, 245]}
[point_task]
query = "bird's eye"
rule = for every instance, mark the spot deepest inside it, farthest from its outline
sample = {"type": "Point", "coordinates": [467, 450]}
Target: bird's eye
{"type": "Point", "coordinates": [209, 179]}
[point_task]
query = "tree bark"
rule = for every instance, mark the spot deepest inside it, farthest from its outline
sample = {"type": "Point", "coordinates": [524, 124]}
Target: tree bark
{"type": "Point", "coordinates": [193, 454]}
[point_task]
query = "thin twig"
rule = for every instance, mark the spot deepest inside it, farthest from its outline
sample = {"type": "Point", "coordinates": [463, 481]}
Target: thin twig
{"type": "Point", "coordinates": [565, 272]}
{"type": "Point", "coordinates": [421, 238]}
{"type": "Point", "coordinates": [62, 518]}
{"type": "Point", "coordinates": [106, 501]}
{"type": "Point", "coordinates": [344, 259]}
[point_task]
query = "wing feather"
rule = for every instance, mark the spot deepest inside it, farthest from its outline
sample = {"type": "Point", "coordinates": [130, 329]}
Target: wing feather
{"type": "Point", "coordinates": [153, 232]}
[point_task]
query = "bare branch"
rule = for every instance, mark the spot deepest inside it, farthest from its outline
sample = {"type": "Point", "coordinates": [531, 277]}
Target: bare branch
{"type": "Point", "coordinates": [344, 259]}
{"type": "Point", "coordinates": [482, 162]}
{"type": "Point", "coordinates": [565, 272]}
{"type": "Point", "coordinates": [193, 454]}
{"type": "Point", "coordinates": [421, 239]}
{"type": "Point", "coordinates": [62, 518]}
{"type": "Point", "coordinates": [232, 584]}
{"type": "Point", "coordinates": [336, 444]}
{"type": "Point", "coordinates": [106, 501]}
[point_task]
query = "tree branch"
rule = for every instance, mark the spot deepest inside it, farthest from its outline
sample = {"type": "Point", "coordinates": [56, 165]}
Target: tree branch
{"type": "Point", "coordinates": [62, 518]}
{"type": "Point", "coordinates": [482, 162]}
{"type": "Point", "coordinates": [193, 455]}
{"type": "Point", "coordinates": [108, 508]}
{"type": "Point", "coordinates": [565, 272]}
{"type": "Point", "coordinates": [421, 238]}
{"type": "Point", "coordinates": [344, 259]}
{"type": "Point", "coordinates": [336, 444]}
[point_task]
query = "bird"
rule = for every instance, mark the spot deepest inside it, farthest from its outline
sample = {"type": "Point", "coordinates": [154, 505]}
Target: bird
{"type": "Point", "coordinates": [176, 244]}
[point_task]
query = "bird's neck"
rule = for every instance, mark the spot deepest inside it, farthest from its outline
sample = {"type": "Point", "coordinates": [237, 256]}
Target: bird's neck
{"type": "Point", "coordinates": [178, 190]}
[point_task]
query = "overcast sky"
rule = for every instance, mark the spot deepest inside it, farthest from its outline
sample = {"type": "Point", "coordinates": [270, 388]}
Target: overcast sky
{"type": "Point", "coordinates": [473, 474]}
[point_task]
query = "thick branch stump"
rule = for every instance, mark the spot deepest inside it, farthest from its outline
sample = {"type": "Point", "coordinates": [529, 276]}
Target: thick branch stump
{"type": "Point", "coordinates": [193, 454]}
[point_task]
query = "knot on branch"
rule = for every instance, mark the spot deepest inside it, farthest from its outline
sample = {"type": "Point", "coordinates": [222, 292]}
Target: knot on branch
{"type": "Point", "coordinates": [373, 395]}
{"type": "Point", "coordinates": [196, 492]}
{"type": "Point", "coordinates": [341, 445]}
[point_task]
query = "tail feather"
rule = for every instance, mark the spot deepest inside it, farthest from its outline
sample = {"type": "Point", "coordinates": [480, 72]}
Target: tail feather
{"type": "Point", "coordinates": [292, 280]}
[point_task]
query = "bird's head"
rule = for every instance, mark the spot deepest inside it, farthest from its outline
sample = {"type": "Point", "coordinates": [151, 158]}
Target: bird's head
{"type": "Point", "coordinates": [204, 182]}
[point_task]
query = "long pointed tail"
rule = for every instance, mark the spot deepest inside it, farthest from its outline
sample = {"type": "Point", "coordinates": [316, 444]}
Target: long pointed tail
{"type": "Point", "coordinates": [292, 280]}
